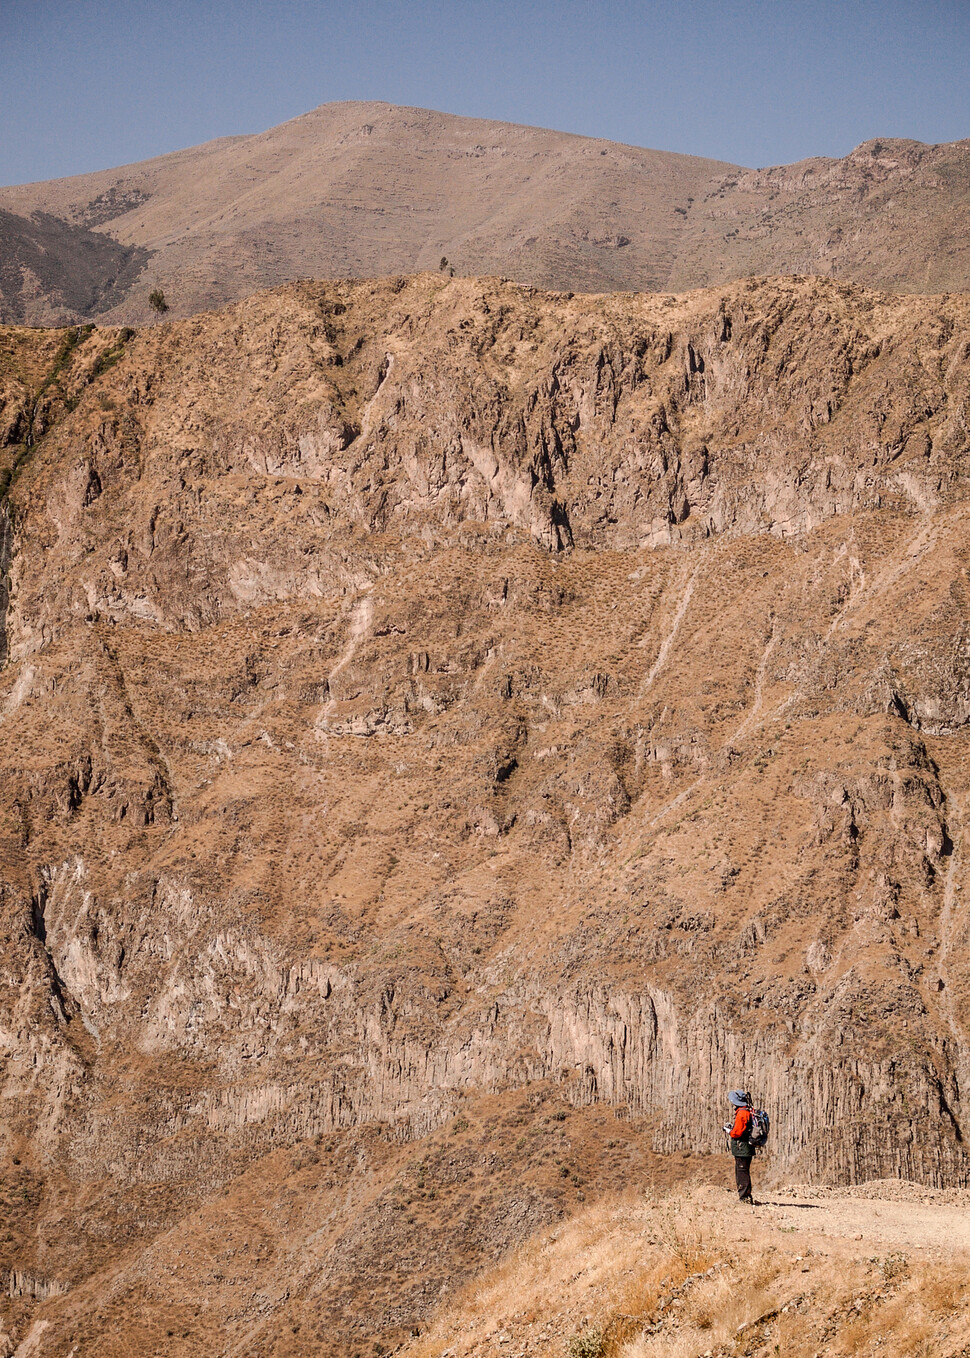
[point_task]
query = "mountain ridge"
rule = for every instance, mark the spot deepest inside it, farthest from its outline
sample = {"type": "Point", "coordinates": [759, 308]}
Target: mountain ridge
{"type": "Point", "coordinates": [366, 188]}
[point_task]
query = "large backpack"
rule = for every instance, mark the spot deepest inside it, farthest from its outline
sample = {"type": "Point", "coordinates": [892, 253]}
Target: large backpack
{"type": "Point", "coordinates": [758, 1127]}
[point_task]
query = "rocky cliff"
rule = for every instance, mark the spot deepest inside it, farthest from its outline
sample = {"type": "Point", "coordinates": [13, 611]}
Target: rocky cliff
{"type": "Point", "coordinates": [452, 734]}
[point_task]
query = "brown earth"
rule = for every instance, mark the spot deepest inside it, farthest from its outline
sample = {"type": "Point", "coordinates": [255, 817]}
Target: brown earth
{"type": "Point", "coordinates": [697, 1276]}
{"type": "Point", "coordinates": [451, 734]}
{"type": "Point", "coordinates": [358, 189]}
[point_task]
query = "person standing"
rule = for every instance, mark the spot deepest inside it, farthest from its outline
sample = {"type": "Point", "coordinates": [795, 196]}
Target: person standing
{"type": "Point", "coordinates": [739, 1142]}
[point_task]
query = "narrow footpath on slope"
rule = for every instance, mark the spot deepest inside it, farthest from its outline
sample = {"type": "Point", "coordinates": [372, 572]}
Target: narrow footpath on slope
{"type": "Point", "coordinates": [888, 1213]}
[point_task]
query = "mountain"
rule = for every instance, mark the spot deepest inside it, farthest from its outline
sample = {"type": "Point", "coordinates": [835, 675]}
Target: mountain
{"type": "Point", "coordinates": [357, 189]}
{"type": "Point", "coordinates": [451, 734]}
{"type": "Point", "coordinates": [361, 189]}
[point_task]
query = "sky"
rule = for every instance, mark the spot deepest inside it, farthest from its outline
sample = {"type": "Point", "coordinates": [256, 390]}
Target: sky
{"type": "Point", "coordinates": [90, 84]}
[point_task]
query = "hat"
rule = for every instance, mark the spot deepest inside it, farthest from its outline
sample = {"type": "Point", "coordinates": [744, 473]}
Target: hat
{"type": "Point", "coordinates": [739, 1098]}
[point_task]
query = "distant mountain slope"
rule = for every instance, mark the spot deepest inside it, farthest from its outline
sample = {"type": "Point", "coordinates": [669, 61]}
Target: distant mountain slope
{"type": "Point", "coordinates": [53, 270]}
{"type": "Point", "coordinates": [362, 189]}
{"type": "Point", "coordinates": [893, 214]}
{"type": "Point", "coordinates": [357, 189]}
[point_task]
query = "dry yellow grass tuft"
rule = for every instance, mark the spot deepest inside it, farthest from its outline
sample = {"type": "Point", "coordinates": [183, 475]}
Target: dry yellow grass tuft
{"type": "Point", "coordinates": [689, 1277]}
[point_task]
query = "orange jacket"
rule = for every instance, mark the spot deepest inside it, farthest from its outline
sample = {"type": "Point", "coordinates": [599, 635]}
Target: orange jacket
{"type": "Point", "coordinates": [741, 1123]}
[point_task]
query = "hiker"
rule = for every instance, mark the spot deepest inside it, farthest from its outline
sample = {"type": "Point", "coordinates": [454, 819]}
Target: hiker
{"type": "Point", "coordinates": [739, 1142]}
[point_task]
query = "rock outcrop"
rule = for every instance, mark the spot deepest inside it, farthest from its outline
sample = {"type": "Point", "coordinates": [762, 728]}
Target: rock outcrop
{"type": "Point", "coordinates": [452, 734]}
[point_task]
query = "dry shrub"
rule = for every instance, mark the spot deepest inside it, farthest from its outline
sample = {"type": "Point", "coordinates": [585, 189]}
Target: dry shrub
{"type": "Point", "coordinates": [720, 1305]}
{"type": "Point", "coordinates": [584, 1253]}
{"type": "Point", "coordinates": [693, 1243]}
{"type": "Point", "coordinates": [714, 1310]}
{"type": "Point", "coordinates": [944, 1291]}
{"type": "Point", "coordinates": [681, 1245]}
{"type": "Point", "coordinates": [588, 1343]}
{"type": "Point", "coordinates": [912, 1338]}
{"type": "Point", "coordinates": [797, 1336]}
{"type": "Point", "coordinates": [917, 1315]}
{"type": "Point", "coordinates": [683, 1345]}
{"type": "Point", "coordinates": [633, 1303]}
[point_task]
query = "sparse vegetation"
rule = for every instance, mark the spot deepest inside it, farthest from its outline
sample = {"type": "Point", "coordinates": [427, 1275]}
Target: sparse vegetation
{"type": "Point", "coordinates": [671, 1279]}
{"type": "Point", "coordinates": [112, 354]}
{"type": "Point", "coordinates": [587, 1344]}
{"type": "Point", "coordinates": [355, 1012]}
{"type": "Point", "coordinates": [157, 302]}
{"type": "Point", "coordinates": [49, 390]}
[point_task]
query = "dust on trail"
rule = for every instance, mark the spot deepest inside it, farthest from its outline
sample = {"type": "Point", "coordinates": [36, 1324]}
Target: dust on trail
{"type": "Point", "coordinates": [884, 1214]}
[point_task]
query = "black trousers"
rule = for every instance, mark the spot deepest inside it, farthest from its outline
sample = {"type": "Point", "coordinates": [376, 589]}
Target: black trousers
{"type": "Point", "coordinates": [742, 1176]}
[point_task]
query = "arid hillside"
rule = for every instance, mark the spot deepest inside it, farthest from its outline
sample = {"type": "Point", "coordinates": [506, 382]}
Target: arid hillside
{"type": "Point", "coordinates": [687, 1276]}
{"type": "Point", "coordinates": [361, 189]}
{"type": "Point", "coordinates": [451, 733]}
{"type": "Point", "coordinates": [358, 189]}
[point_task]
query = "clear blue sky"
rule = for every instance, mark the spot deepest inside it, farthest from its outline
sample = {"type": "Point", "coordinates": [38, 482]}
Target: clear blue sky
{"type": "Point", "coordinates": [86, 84]}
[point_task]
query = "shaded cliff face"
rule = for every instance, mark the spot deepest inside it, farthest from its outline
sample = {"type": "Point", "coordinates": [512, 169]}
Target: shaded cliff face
{"type": "Point", "coordinates": [452, 734]}
{"type": "Point", "coordinates": [52, 271]}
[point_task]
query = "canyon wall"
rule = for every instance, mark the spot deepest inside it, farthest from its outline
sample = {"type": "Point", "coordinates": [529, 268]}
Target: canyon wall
{"type": "Point", "coordinates": [427, 692]}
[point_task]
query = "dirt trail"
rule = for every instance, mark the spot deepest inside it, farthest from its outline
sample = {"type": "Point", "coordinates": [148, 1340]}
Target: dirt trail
{"type": "Point", "coordinates": [877, 1271]}
{"type": "Point", "coordinates": [893, 1214]}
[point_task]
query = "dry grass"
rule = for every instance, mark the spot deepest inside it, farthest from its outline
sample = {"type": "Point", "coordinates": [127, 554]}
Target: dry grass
{"type": "Point", "coordinates": [685, 1277]}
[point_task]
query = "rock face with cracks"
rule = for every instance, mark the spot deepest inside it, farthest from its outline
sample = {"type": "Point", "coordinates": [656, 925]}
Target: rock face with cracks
{"type": "Point", "coordinates": [452, 733]}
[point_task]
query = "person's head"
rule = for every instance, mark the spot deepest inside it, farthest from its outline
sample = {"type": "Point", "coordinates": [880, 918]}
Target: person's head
{"type": "Point", "coordinates": [739, 1099]}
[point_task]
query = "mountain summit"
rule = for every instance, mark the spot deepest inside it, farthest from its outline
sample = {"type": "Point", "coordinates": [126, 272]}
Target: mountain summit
{"type": "Point", "coordinates": [358, 189]}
